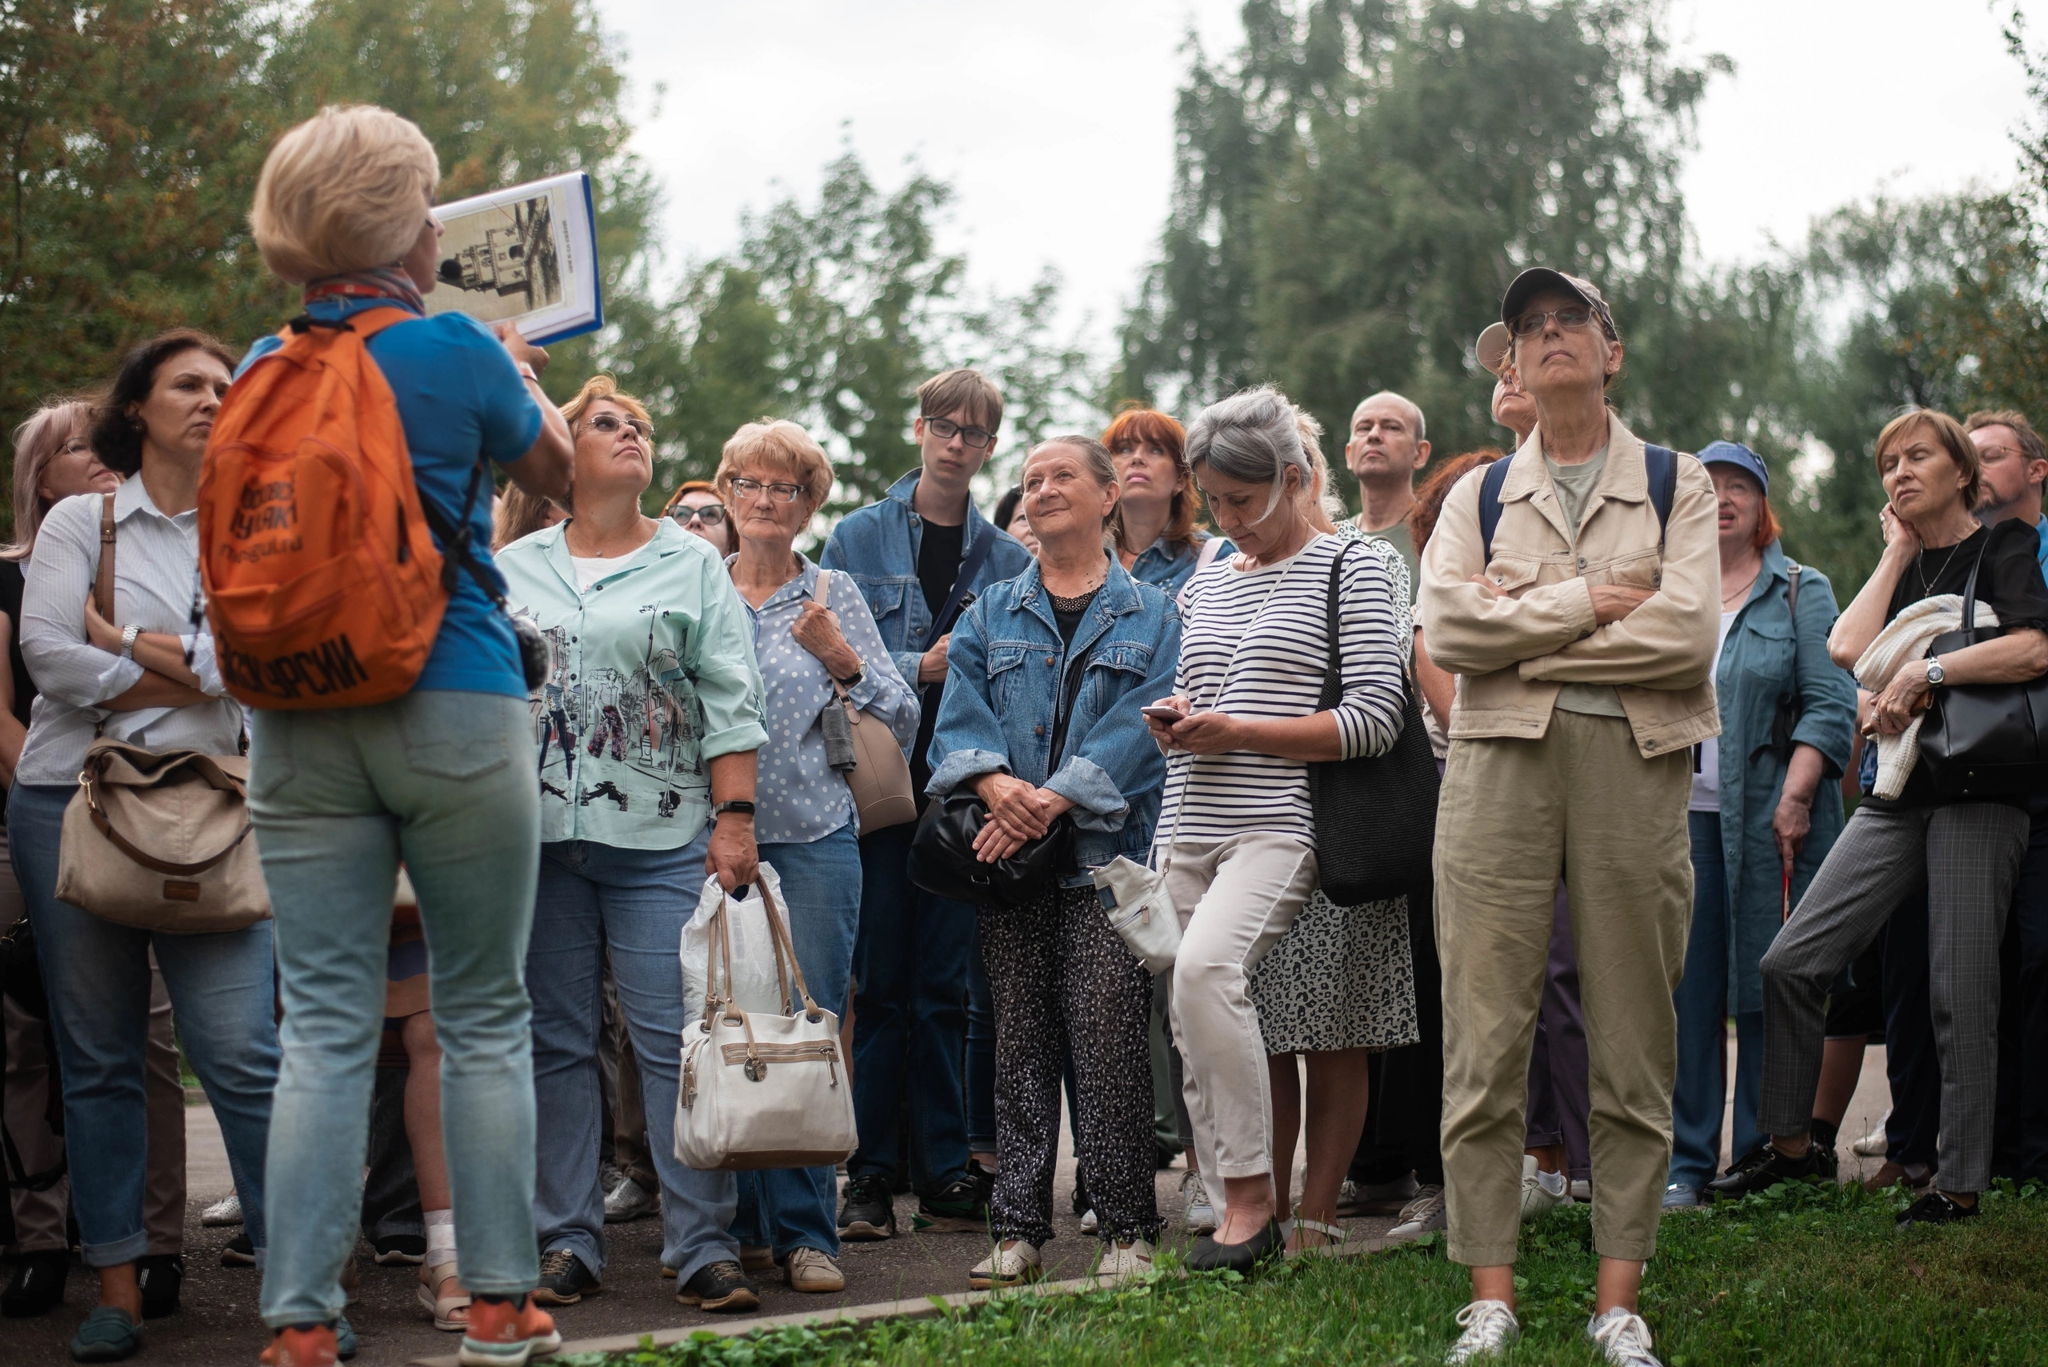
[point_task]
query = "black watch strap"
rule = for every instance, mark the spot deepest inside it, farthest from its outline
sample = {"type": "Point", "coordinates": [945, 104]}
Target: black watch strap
{"type": "Point", "coordinates": [742, 807]}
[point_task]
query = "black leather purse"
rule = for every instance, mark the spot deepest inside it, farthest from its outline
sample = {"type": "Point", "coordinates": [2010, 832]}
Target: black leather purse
{"type": "Point", "coordinates": [1375, 816]}
{"type": "Point", "coordinates": [1983, 742]}
{"type": "Point", "coordinates": [942, 859]}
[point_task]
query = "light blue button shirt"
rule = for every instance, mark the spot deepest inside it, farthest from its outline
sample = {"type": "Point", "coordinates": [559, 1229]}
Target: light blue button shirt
{"type": "Point", "coordinates": [799, 797]}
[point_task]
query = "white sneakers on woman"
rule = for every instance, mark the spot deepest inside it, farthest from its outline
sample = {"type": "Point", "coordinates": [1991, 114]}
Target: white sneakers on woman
{"type": "Point", "coordinates": [1199, 1210]}
{"type": "Point", "coordinates": [1122, 1262]}
{"type": "Point", "coordinates": [1489, 1328]}
{"type": "Point", "coordinates": [1012, 1266]}
{"type": "Point", "coordinates": [1542, 1192]}
{"type": "Point", "coordinates": [1623, 1338]}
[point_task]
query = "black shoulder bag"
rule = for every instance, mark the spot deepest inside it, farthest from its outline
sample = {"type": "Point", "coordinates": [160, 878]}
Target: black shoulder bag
{"type": "Point", "coordinates": [942, 859]}
{"type": "Point", "coordinates": [1375, 816]}
{"type": "Point", "coordinates": [1983, 742]}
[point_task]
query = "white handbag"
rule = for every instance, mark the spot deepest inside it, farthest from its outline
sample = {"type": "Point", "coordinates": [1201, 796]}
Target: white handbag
{"type": "Point", "coordinates": [761, 1090]}
{"type": "Point", "coordinates": [1143, 913]}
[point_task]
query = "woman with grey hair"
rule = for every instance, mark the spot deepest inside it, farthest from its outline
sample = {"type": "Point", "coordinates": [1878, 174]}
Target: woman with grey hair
{"type": "Point", "coordinates": [1237, 837]}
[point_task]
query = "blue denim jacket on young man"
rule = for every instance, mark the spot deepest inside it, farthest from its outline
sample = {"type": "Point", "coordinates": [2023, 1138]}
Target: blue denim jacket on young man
{"type": "Point", "coordinates": [1005, 671]}
{"type": "Point", "coordinates": [878, 546]}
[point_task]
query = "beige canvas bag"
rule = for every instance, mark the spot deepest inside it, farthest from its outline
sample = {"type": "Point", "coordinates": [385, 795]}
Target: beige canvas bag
{"type": "Point", "coordinates": [880, 778]}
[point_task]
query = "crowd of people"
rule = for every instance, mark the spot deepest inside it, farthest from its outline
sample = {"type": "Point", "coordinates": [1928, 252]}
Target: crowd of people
{"type": "Point", "coordinates": [1645, 715]}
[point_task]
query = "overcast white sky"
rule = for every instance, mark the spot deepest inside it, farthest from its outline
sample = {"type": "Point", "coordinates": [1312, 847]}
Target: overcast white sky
{"type": "Point", "coordinates": [1054, 120]}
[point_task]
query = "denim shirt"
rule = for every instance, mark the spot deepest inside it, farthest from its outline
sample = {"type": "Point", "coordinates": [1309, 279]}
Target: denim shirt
{"type": "Point", "coordinates": [653, 677]}
{"type": "Point", "coordinates": [1767, 656]}
{"type": "Point", "coordinates": [1004, 674]}
{"type": "Point", "coordinates": [802, 798]}
{"type": "Point", "coordinates": [1168, 565]}
{"type": "Point", "coordinates": [878, 546]}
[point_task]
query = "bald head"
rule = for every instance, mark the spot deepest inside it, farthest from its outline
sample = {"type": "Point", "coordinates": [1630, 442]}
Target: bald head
{"type": "Point", "coordinates": [1387, 442]}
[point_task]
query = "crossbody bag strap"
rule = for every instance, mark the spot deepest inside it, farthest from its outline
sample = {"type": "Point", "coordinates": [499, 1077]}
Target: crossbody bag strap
{"type": "Point", "coordinates": [970, 565]}
{"type": "Point", "coordinates": [103, 578]}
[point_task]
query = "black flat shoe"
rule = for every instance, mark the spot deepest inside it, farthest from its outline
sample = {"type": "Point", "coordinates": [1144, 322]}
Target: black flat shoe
{"type": "Point", "coordinates": [1764, 1167]}
{"type": "Point", "coordinates": [37, 1285]}
{"type": "Point", "coordinates": [160, 1275]}
{"type": "Point", "coordinates": [1211, 1256]}
{"type": "Point", "coordinates": [1934, 1209]}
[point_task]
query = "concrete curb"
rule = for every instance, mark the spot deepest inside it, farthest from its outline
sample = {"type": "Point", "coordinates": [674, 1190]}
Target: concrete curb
{"type": "Point", "coordinates": [920, 1307]}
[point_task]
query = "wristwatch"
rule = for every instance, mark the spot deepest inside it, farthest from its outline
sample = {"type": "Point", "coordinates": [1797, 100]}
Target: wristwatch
{"type": "Point", "coordinates": [1935, 674]}
{"type": "Point", "coordinates": [128, 635]}
{"type": "Point", "coordinates": [741, 807]}
{"type": "Point", "coordinates": [853, 680]}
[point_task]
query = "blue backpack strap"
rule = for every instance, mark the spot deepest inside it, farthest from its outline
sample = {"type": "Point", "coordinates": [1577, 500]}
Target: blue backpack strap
{"type": "Point", "coordinates": [1660, 463]}
{"type": "Point", "coordinates": [1489, 502]}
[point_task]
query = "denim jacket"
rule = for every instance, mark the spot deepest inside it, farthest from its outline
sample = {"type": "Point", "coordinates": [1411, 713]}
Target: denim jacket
{"type": "Point", "coordinates": [1168, 565]}
{"type": "Point", "coordinates": [1004, 674]}
{"type": "Point", "coordinates": [878, 546]}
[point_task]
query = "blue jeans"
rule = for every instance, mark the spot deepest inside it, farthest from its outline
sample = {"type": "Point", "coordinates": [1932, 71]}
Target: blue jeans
{"type": "Point", "coordinates": [97, 977]}
{"type": "Point", "coordinates": [910, 967]}
{"type": "Point", "coordinates": [981, 1057]}
{"type": "Point", "coordinates": [1700, 1094]}
{"type": "Point", "coordinates": [595, 897]}
{"type": "Point", "coordinates": [441, 781]}
{"type": "Point", "coordinates": [791, 1208]}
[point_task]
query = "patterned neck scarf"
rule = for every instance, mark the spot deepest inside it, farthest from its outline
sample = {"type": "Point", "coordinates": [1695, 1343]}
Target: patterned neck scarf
{"type": "Point", "coordinates": [378, 282]}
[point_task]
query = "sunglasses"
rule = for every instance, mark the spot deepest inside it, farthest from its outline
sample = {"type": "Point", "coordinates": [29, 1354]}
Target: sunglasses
{"type": "Point", "coordinates": [711, 514]}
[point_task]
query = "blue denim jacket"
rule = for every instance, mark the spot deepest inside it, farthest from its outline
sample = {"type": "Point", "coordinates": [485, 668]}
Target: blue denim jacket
{"type": "Point", "coordinates": [878, 544]}
{"type": "Point", "coordinates": [1168, 565]}
{"type": "Point", "coordinates": [1004, 672]}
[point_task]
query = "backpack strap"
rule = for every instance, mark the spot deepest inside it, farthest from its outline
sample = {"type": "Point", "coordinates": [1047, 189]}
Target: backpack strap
{"type": "Point", "coordinates": [821, 592]}
{"type": "Point", "coordinates": [1660, 466]}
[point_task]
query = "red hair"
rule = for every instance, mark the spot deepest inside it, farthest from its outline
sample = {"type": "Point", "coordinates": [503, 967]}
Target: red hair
{"type": "Point", "coordinates": [1429, 499]}
{"type": "Point", "coordinates": [1136, 425]}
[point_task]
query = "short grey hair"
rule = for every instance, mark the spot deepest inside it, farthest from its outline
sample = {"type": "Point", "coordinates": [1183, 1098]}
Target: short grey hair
{"type": "Point", "coordinates": [1414, 408]}
{"type": "Point", "coordinates": [1253, 437]}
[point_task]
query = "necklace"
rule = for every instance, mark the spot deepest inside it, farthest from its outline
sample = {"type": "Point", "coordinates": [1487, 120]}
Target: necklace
{"type": "Point", "coordinates": [1920, 563]}
{"type": "Point", "coordinates": [1740, 593]}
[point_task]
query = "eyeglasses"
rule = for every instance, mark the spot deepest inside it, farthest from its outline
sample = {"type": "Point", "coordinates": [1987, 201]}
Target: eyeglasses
{"type": "Point", "coordinates": [980, 438]}
{"type": "Point", "coordinates": [780, 493]}
{"type": "Point", "coordinates": [610, 423]}
{"type": "Point", "coordinates": [711, 514]}
{"type": "Point", "coordinates": [1570, 316]}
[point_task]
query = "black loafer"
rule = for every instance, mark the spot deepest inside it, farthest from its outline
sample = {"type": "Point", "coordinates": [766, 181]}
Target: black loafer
{"type": "Point", "coordinates": [1764, 1167]}
{"type": "Point", "coordinates": [721, 1288]}
{"type": "Point", "coordinates": [37, 1284]}
{"type": "Point", "coordinates": [1211, 1256]}
{"type": "Point", "coordinates": [1934, 1209]}
{"type": "Point", "coordinates": [160, 1275]}
{"type": "Point", "coordinates": [240, 1252]}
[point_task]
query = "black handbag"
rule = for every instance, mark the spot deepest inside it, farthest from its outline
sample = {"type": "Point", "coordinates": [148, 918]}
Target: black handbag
{"type": "Point", "coordinates": [942, 859]}
{"type": "Point", "coordinates": [1983, 742]}
{"type": "Point", "coordinates": [1375, 816]}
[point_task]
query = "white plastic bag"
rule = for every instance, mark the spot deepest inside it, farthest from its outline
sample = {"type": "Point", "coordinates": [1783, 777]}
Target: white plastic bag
{"type": "Point", "coordinates": [1143, 914]}
{"type": "Point", "coordinates": [754, 981]}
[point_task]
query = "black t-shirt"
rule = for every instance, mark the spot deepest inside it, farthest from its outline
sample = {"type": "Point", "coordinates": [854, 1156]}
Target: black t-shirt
{"type": "Point", "coordinates": [2009, 582]}
{"type": "Point", "coordinates": [938, 566]}
{"type": "Point", "coordinates": [11, 584]}
{"type": "Point", "coordinates": [1068, 612]}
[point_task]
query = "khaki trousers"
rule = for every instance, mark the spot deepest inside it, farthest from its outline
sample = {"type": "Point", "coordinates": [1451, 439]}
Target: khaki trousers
{"type": "Point", "coordinates": [1582, 804]}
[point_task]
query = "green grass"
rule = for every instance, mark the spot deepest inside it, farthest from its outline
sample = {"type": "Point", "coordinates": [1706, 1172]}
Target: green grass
{"type": "Point", "coordinates": [1806, 1275]}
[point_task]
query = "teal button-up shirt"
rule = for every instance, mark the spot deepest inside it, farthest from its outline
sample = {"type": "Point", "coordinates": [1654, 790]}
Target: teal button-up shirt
{"type": "Point", "coordinates": [653, 676]}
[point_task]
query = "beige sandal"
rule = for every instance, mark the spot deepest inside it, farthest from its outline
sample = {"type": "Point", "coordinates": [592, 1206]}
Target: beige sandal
{"type": "Point", "coordinates": [450, 1312]}
{"type": "Point", "coordinates": [1300, 1225]}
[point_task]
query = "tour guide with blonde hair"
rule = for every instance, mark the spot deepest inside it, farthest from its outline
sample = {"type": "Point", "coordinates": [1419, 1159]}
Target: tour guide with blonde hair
{"type": "Point", "coordinates": [439, 777]}
{"type": "Point", "coordinates": [644, 737]}
{"type": "Point", "coordinates": [1583, 645]}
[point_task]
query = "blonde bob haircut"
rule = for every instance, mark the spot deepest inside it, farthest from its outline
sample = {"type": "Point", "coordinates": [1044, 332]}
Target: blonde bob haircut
{"type": "Point", "coordinates": [784, 448]}
{"type": "Point", "coordinates": [1947, 434]}
{"type": "Point", "coordinates": [344, 191]}
{"type": "Point", "coordinates": [602, 386]}
{"type": "Point", "coordinates": [40, 439]}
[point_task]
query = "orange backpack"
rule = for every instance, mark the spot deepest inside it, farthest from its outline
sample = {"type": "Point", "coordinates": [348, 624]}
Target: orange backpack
{"type": "Point", "coordinates": [322, 581]}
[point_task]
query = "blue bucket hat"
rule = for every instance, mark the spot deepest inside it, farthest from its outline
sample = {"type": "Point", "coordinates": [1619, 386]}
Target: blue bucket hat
{"type": "Point", "coordinates": [1741, 457]}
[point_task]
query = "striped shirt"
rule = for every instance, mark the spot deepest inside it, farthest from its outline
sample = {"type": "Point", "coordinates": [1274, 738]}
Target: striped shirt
{"type": "Point", "coordinates": [156, 586]}
{"type": "Point", "coordinates": [1256, 645]}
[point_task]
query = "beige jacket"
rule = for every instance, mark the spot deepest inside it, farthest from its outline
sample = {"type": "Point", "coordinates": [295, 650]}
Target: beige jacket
{"type": "Point", "coordinates": [1511, 652]}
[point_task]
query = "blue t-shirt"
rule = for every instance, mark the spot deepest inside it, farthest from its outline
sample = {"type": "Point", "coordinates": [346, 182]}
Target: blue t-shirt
{"type": "Point", "coordinates": [459, 394]}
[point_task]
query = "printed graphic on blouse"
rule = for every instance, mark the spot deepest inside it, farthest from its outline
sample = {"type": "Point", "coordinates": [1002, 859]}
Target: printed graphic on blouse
{"type": "Point", "coordinates": [649, 721]}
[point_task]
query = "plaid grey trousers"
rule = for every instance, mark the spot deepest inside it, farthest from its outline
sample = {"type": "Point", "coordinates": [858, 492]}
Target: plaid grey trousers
{"type": "Point", "coordinates": [1968, 854]}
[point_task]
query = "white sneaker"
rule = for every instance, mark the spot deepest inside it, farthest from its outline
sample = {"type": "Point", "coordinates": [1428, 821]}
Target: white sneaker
{"type": "Point", "coordinates": [1489, 1328]}
{"type": "Point", "coordinates": [1425, 1215]}
{"type": "Point", "coordinates": [1542, 1192]}
{"type": "Point", "coordinates": [1874, 1144]}
{"type": "Point", "coordinates": [1201, 1212]}
{"type": "Point", "coordinates": [1623, 1338]}
{"type": "Point", "coordinates": [226, 1211]}
{"type": "Point", "coordinates": [1122, 1262]}
{"type": "Point", "coordinates": [1090, 1221]}
{"type": "Point", "coordinates": [1012, 1266]}
{"type": "Point", "coordinates": [629, 1201]}
{"type": "Point", "coordinates": [1582, 1189]}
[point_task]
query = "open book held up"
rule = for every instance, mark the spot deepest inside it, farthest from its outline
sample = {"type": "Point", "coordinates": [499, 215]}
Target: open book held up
{"type": "Point", "coordinates": [527, 254]}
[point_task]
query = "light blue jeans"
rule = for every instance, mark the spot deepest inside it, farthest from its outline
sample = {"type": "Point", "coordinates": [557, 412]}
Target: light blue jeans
{"type": "Point", "coordinates": [97, 976]}
{"type": "Point", "coordinates": [593, 897]}
{"type": "Point", "coordinates": [442, 780]}
{"type": "Point", "coordinates": [1700, 1093]}
{"type": "Point", "coordinates": [791, 1208]}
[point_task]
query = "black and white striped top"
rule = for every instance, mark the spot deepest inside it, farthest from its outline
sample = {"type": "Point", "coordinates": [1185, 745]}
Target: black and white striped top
{"type": "Point", "coordinates": [1254, 644]}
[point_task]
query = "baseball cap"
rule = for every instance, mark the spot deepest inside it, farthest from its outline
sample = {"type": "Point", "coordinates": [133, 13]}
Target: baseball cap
{"type": "Point", "coordinates": [1537, 279]}
{"type": "Point", "coordinates": [1741, 457]}
{"type": "Point", "coordinates": [1491, 350]}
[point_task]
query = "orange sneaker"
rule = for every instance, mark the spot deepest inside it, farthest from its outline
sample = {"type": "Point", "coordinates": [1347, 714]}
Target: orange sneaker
{"type": "Point", "coordinates": [313, 1347]}
{"type": "Point", "coordinates": [505, 1334]}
